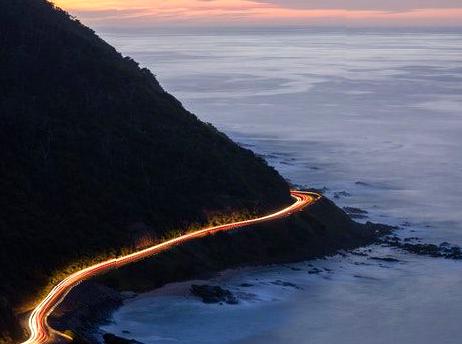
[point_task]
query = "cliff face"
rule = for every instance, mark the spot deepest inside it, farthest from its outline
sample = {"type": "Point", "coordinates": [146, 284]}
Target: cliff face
{"type": "Point", "coordinates": [95, 154]}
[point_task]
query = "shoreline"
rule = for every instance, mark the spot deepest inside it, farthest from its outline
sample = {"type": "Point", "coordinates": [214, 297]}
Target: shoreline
{"type": "Point", "coordinates": [260, 287]}
{"type": "Point", "coordinates": [172, 313]}
{"type": "Point", "coordinates": [319, 231]}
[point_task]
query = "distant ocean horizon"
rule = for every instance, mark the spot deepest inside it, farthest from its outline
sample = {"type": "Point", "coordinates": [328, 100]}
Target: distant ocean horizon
{"type": "Point", "coordinates": [107, 31]}
{"type": "Point", "coordinates": [374, 117]}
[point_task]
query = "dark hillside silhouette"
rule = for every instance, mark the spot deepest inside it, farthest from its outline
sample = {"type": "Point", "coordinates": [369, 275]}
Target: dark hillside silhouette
{"type": "Point", "coordinates": [95, 154]}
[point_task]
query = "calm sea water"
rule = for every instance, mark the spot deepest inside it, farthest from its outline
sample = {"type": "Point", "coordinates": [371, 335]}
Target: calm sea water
{"type": "Point", "coordinates": [375, 114]}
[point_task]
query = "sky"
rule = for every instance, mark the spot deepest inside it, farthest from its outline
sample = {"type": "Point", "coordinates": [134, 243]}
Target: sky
{"type": "Point", "coordinates": [356, 13]}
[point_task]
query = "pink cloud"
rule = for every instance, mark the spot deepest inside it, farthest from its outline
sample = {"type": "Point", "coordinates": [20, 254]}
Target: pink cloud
{"type": "Point", "coordinates": [254, 12]}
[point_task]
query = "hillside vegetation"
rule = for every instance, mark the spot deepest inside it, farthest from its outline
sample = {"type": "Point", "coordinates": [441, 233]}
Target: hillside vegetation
{"type": "Point", "coordinates": [96, 156]}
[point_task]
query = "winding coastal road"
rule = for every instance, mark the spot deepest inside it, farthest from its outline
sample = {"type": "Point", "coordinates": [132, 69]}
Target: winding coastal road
{"type": "Point", "coordinates": [41, 332]}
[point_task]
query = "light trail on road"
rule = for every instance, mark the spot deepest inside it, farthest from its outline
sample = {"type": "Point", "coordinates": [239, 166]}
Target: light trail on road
{"type": "Point", "coordinates": [41, 332]}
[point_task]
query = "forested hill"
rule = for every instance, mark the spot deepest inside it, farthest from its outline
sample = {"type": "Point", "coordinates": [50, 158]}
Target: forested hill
{"type": "Point", "coordinates": [96, 155]}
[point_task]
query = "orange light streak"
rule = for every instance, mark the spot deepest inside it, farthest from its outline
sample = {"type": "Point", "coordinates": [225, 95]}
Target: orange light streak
{"type": "Point", "coordinates": [41, 332]}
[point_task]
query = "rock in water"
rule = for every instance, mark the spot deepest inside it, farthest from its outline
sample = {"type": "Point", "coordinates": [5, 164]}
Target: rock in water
{"type": "Point", "coordinates": [213, 294]}
{"type": "Point", "coordinates": [112, 339]}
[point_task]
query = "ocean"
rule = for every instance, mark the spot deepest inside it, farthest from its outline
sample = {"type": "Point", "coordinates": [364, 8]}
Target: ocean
{"type": "Point", "coordinates": [372, 117]}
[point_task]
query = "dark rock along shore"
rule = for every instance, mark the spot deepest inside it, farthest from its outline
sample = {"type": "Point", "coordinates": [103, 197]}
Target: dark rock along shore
{"type": "Point", "coordinates": [213, 294]}
{"type": "Point", "coordinates": [444, 250]}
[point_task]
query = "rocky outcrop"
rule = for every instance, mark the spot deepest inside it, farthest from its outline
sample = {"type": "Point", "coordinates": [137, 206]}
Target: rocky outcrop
{"type": "Point", "coordinates": [411, 245]}
{"type": "Point", "coordinates": [85, 307]}
{"type": "Point", "coordinates": [213, 294]}
{"type": "Point", "coordinates": [356, 213]}
{"type": "Point", "coordinates": [112, 339]}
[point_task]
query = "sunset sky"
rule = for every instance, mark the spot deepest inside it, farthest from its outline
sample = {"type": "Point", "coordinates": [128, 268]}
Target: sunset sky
{"type": "Point", "coordinates": [142, 13]}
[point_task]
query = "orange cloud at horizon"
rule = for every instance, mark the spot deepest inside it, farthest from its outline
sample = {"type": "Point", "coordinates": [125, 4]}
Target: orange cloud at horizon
{"type": "Point", "coordinates": [153, 12]}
